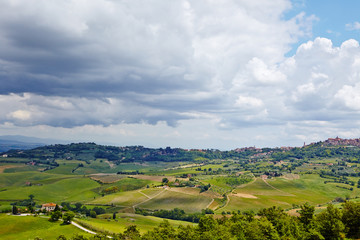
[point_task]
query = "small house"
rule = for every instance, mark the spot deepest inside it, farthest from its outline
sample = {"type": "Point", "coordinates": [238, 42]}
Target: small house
{"type": "Point", "coordinates": [48, 207]}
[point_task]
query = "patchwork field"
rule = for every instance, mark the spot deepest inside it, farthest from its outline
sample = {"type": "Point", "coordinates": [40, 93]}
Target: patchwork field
{"type": "Point", "coordinates": [284, 193]}
{"type": "Point", "coordinates": [123, 199]}
{"type": "Point", "coordinates": [100, 186]}
{"type": "Point", "coordinates": [169, 199]}
{"type": "Point", "coordinates": [123, 220]}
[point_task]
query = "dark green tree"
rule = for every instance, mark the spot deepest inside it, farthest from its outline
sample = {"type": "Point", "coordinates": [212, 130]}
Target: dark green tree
{"type": "Point", "coordinates": [78, 206]}
{"type": "Point", "coordinates": [131, 232]}
{"type": "Point", "coordinates": [351, 218]}
{"type": "Point", "coordinates": [61, 237]}
{"type": "Point", "coordinates": [68, 217]}
{"type": "Point", "coordinates": [164, 231]}
{"type": "Point", "coordinates": [329, 223]}
{"type": "Point", "coordinates": [57, 208]}
{"type": "Point", "coordinates": [55, 215]}
{"type": "Point", "coordinates": [14, 210]}
{"type": "Point", "coordinates": [306, 215]}
{"type": "Point", "coordinates": [207, 223]}
{"type": "Point", "coordinates": [93, 214]}
{"type": "Point", "coordinates": [261, 229]}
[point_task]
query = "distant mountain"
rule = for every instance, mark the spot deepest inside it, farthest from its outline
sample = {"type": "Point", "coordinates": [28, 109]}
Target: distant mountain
{"type": "Point", "coordinates": [8, 142]}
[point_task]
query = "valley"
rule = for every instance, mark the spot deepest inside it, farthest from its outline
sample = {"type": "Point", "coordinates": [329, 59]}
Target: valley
{"type": "Point", "coordinates": [141, 186]}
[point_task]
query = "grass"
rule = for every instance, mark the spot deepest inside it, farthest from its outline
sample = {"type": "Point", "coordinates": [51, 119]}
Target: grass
{"type": "Point", "coordinates": [151, 192]}
{"type": "Point", "coordinates": [29, 227]}
{"type": "Point", "coordinates": [66, 167]}
{"type": "Point", "coordinates": [58, 190]}
{"type": "Point", "coordinates": [126, 184]}
{"type": "Point", "coordinates": [285, 193]}
{"type": "Point", "coordinates": [144, 223]}
{"type": "Point", "coordinates": [5, 207]}
{"type": "Point", "coordinates": [107, 178]}
{"type": "Point", "coordinates": [126, 199]}
{"type": "Point", "coordinates": [170, 199]}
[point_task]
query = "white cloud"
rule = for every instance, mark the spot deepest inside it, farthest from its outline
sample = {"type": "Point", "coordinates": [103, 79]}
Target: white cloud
{"type": "Point", "coordinates": [20, 115]}
{"type": "Point", "coordinates": [263, 74]}
{"type": "Point", "coordinates": [113, 69]}
{"type": "Point", "coordinates": [350, 96]}
{"type": "Point", "coordinates": [353, 26]}
{"type": "Point", "coordinates": [248, 102]}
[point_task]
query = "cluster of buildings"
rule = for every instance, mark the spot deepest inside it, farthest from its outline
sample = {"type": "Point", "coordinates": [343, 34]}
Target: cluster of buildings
{"type": "Point", "coordinates": [342, 142]}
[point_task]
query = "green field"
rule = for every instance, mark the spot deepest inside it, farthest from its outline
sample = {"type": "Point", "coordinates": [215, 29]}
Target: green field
{"type": "Point", "coordinates": [170, 199]}
{"type": "Point", "coordinates": [29, 227]}
{"type": "Point", "coordinates": [285, 193]}
{"type": "Point", "coordinates": [123, 220]}
{"type": "Point", "coordinates": [121, 187]}
{"type": "Point", "coordinates": [47, 187]}
{"type": "Point", "coordinates": [124, 199]}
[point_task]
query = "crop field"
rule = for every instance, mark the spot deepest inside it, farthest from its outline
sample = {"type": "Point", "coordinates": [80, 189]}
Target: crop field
{"type": "Point", "coordinates": [284, 192]}
{"type": "Point", "coordinates": [168, 200]}
{"type": "Point", "coordinates": [50, 188]}
{"type": "Point", "coordinates": [29, 227]}
{"type": "Point", "coordinates": [124, 199]}
{"type": "Point", "coordinates": [123, 220]}
{"type": "Point", "coordinates": [125, 184]}
{"type": "Point", "coordinates": [107, 178]}
{"type": "Point", "coordinates": [19, 179]}
{"type": "Point", "coordinates": [151, 192]}
{"type": "Point", "coordinates": [154, 178]}
{"type": "Point", "coordinates": [65, 167]}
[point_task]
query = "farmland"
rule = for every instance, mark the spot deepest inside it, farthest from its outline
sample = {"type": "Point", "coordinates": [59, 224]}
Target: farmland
{"type": "Point", "coordinates": [29, 227]}
{"type": "Point", "coordinates": [123, 180]}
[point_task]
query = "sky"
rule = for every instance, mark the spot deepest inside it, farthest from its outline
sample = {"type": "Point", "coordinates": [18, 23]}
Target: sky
{"type": "Point", "coordinates": [192, 74]}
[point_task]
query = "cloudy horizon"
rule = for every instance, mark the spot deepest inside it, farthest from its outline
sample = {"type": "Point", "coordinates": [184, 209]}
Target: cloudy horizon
{"type": "Point", "coordinates": [192, 74]}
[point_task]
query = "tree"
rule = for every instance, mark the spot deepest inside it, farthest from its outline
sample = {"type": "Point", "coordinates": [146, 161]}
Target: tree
{"type": "Point", "coordinates": [131, 232]}
{"type": "Point", "coordinates": [329, 223]}
{"type": "Point", "coordinates": [114, 215]}
{"type": "Point", "coordinates": [31, 197]}
{"type": "Point", "coordinates": [351, 218]}
{"type": "Point", "coordinates": [68, 217]}
{"type": "Point", "coordinates": [261, 229]}
{"type": "Point", "coordinates": [57, 208]}
{"type": "Point", "coordinates": [93, 214]}
{"type": "Point", "coordinates": [165, 180]}
{"type": "Point", "coordinates": [55, 215]}
{"type": "Point", "coordinates": [31, 208]}
{"type": "Point", "coordinates": [78, 206]}
{"type": "Point", "coordinates": [306, 215]}
{"type": "Point", "coordinates": [14, 210]}
{"type": "Point", "coordinates": [207, 223]}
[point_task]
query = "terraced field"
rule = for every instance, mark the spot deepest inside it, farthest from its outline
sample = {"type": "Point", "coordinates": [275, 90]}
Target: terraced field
{"type": "Point", "coordinates": [188, 201]}
{"type": "Point", "coordinates": [283, 192]}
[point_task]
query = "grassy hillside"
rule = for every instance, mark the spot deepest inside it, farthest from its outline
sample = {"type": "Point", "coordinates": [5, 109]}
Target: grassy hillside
{"type": "Point", "coordinates": [123, 220]}
{"type": "Point", "coordinates": [284, 192]}
{"type": "Point", "coordinates": [29, 227]}
{"type": "Point", "coordinates": [53, 189]}
{"type": "Point", "coordinates": [171, 199]}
